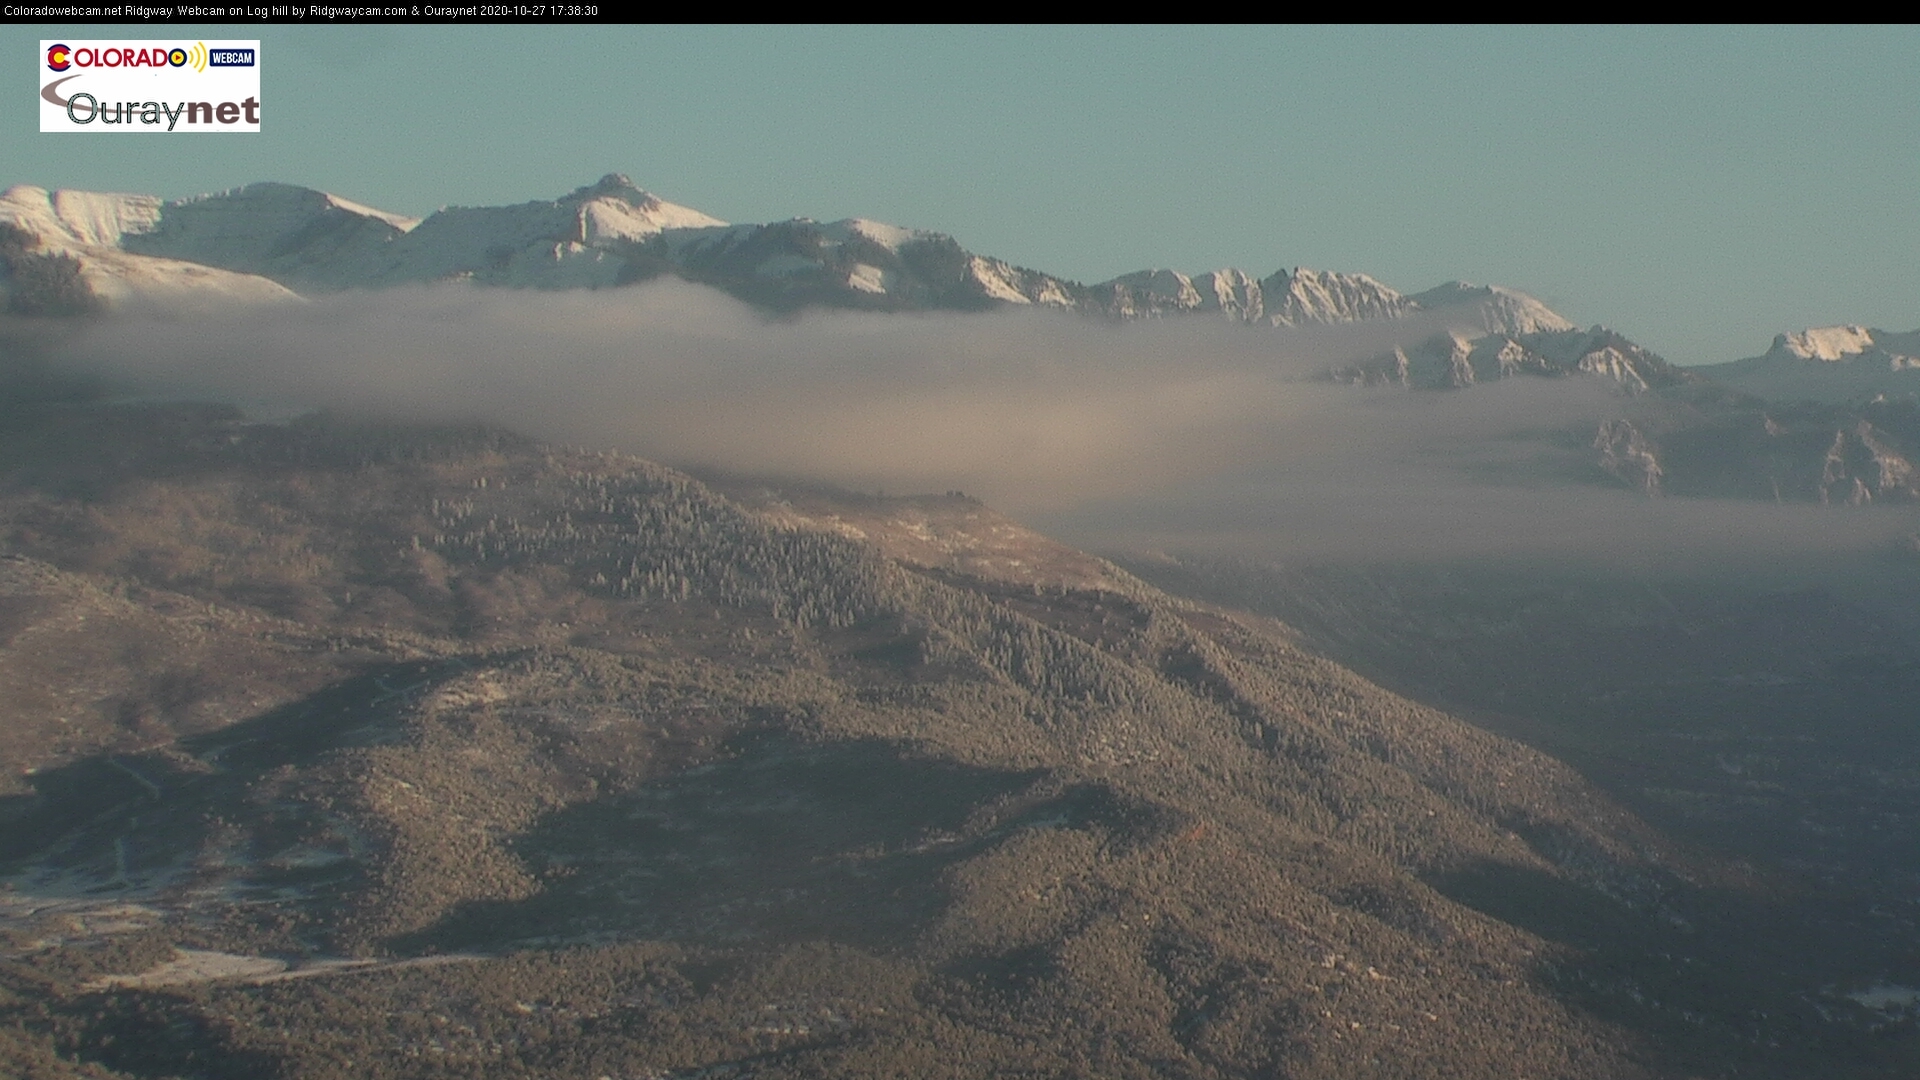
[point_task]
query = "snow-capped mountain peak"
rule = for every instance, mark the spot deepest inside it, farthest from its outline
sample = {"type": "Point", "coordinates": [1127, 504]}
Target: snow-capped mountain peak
{"type": "Point", "coordinates": [615, 209]}
{"type": "Point", "coordinates": [1834, 364]}
{"type": "Point", "coordinates": [1498, 310]}
{"type": "Point", "coordinates": [1830, 344]}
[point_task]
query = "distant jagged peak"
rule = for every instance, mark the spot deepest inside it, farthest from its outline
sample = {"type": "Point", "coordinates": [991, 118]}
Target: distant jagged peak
{"type": "Point", "coordinates": [1302, 296]}
{"type": "Point", "coordinates": [614, 183]}
{"type": "Point", "coordinates": [1308, 277]}
{"type": "Point", "coordinates": [616, 187]}
{"type": "Point", "coordinates": [1287, 298]}
{"type": "Point", "coordinates": [614, 207]}
{"type": "Point", "coordinates": [1234, 293]}
{"type": "Point", "coordinates": [1457, 359]}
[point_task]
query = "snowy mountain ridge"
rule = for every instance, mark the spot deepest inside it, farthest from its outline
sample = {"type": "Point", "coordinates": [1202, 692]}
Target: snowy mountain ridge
{"type": "Point", "coordinates": [275, 241]}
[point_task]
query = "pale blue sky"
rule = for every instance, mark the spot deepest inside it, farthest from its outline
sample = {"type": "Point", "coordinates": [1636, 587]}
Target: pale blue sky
{"type": "Point", "coordinates": [1698, 189]}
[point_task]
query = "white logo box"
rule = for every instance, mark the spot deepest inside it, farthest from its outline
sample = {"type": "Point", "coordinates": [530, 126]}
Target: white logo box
{"type": "Point", "coordinates": [149, 87]}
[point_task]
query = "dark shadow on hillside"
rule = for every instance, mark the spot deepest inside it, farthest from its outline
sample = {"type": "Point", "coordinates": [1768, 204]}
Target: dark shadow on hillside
{"type": "Point", "coordinates": [121, 819]}
{"type": "Point", "coordinates": [155, 1035]}
{"type": "Point", "coordinates": [1730, 982]}
{"type": "Point", "coordinates": [844, 841]}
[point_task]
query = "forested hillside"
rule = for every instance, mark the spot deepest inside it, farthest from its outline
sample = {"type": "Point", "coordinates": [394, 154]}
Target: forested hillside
{"type": "Point", "coordinates": [337, 750]}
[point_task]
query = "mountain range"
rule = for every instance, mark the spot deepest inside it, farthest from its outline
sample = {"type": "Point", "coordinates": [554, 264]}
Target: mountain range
{"type": "Point", "coordinates": [1825, 415]}
{"type": "Point", "coordinates": [275, 241]}
{"type": "Point", "coordinates": [612, 233]}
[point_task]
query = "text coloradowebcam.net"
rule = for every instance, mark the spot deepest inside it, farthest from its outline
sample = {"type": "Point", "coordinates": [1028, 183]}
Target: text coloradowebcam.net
{"type": "Point", "coordinates": [191, 11]}
{"type": "Point", "coordinates": [295, 11]}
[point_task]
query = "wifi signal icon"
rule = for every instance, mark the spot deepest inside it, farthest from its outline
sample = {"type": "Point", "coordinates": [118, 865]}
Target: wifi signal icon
{"type": "Point", "coordinates": [197, 56]}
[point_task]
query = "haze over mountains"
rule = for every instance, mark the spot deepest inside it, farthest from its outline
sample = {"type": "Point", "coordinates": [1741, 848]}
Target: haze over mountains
{"type": "Point", "coordinates": [1177, 404]}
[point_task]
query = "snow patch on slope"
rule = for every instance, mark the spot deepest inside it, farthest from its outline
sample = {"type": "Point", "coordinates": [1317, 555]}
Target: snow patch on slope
{"type": "Point", "coordinates": [294, 235]}
{"type": "Point", "coordinates": [867, 279]}
{"type": "Point", "coordinates": [61, 220]}
{"type": "Point", "coordinates": [887, 236]}
{"type": "Point", "coordinates": [89, 226]}
{"type": "Point", "coordinates": [994, 281]}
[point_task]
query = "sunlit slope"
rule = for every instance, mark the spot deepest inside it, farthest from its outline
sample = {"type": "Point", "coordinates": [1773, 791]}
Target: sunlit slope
{"type": "Point", "coordinates": [683, 782]}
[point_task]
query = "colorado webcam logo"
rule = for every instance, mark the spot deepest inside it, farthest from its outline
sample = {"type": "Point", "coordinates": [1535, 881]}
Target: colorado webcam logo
{"type": "Point", "coordinates": [151, 87]}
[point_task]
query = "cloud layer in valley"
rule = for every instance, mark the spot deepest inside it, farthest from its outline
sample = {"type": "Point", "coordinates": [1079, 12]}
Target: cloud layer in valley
{"type": "Point", "coordinates": [1176, 434]}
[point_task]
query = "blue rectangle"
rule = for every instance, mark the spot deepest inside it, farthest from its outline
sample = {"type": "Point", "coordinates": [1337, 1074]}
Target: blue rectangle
{"type": "Point", "coordinates": [230, 58]}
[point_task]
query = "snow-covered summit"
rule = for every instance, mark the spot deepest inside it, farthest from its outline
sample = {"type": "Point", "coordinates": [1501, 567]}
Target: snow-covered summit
{"type": "Point", "coordinates": [614, 209]}
{"type": "Point", "coordinates": [1834, 364]}
{"type": "Point", "coordinates": [1497, 310]}
{"type": "Point", "coordinates": [1838, 344]}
